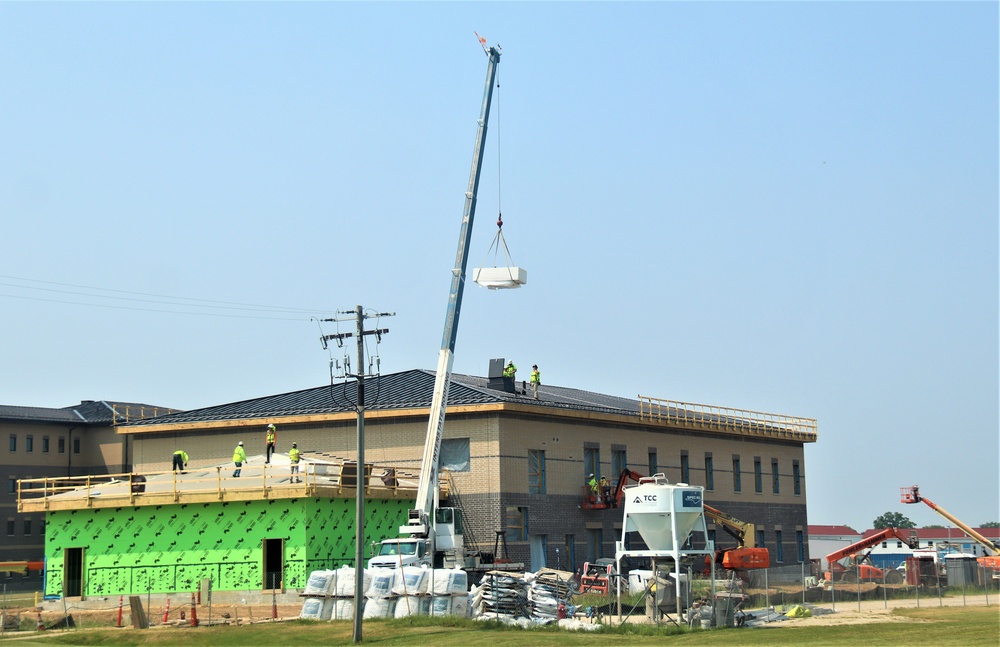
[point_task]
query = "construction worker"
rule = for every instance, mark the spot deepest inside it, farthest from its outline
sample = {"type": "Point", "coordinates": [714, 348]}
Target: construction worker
{"type": "Point", "coordinates": [536, 380]}
{"type": "Point", "coordinates": [294, 455]}
{"type": "Point", "coordinates": [271, 439]}
{"type": "Point", "coordinates": [510, 370]}
{"type": "Point", "coordinates": [180, 460]}
{"type": "Point", "coordinates": [605, 489]}
{"type": "Point", "coordinates": [593, 489]}
{"type": "Point", "coordinates": [239, 457]}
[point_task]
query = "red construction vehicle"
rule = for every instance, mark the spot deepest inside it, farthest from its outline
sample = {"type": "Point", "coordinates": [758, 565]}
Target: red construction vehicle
{"type": "Point", "coordinates": [747, 554]}
{"type": "Point", "coordinates": [596, 577]}
{"type": "Point", "coordinates": [991, 560]}
{"type": "Point", "coordinates": [609, 496]}
{"type": "Point", "coordinates": [852, 563]}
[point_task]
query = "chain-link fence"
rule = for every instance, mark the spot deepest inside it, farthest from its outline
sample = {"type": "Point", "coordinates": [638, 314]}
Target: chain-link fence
{"type": "Point", "coordinates": [917, 582]}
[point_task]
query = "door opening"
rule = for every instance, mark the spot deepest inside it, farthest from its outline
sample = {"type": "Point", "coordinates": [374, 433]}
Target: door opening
{"type": "Point", "coordinates": [73, 572]}
{"type": "Point", "coordinates": [274, 563]}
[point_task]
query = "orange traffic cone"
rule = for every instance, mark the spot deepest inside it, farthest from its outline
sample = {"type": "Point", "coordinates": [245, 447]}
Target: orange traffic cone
{"type": "Point", "coordinates": [194, 613]}
{"type": "Point", "coordinates": [166, 612]}
{"type": "Point", "coordinates": [41, 625]}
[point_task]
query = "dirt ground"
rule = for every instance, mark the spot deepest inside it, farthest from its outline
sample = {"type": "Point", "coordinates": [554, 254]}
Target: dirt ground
{"type": "Point", "coordinates": [848, 613]}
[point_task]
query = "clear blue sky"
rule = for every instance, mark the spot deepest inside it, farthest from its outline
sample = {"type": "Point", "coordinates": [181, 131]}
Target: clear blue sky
{"type": "Point", "coordinates": [787, 207]}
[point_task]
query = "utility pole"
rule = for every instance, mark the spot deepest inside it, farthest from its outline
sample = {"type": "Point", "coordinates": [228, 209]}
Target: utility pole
{"type": "Point", "coordinates": [359, 523]}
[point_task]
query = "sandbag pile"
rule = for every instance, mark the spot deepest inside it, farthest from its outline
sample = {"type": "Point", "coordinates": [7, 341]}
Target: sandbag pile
{"type": "Point", "coordinates": [388, 593]}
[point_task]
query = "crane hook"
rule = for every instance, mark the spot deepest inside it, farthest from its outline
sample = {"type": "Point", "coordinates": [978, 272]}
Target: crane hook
{"type": "Point", "coordinates": [499, 220]}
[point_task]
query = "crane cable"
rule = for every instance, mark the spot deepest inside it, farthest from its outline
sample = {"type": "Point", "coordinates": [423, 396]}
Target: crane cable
{"type": "Point", "coordinates": [499, 240]}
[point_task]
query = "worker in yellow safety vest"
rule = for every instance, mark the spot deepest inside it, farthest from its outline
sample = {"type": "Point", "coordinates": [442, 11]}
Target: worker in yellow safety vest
{"type": "Point", "coordinates": [510, 370]}
{"type": "Point", "coordinates": [271, 439]}
{"type": "Point", "coordinates": [536, 380]}
{"type": "Point", "coordinates": [294, 456]}
{"type": "Point", "coordinates": [180, 460]}
{"type": "Point", "coordinates": [239, 457]}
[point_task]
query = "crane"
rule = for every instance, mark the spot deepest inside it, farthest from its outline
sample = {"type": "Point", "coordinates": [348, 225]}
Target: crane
{"type": "Point", "coordinates": [992, 558]}
{"type": "Point", "coordinates": [432, 530]}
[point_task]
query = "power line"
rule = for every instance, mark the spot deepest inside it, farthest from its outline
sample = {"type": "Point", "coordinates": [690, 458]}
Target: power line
{"type": "Point", "coordinates": [169, 304]}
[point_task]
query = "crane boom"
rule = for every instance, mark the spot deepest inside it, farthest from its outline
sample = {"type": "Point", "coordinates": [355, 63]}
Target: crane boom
{"type": "Point", "coordinates": [912, 495]}
{"type": "Point", "coordinates": [427, 491]}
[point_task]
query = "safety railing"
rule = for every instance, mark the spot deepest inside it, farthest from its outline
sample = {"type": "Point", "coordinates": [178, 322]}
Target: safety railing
{"type": "Point", "coordinates": [218, 482]}
{"type": "Point", "coordinates": [727, 419]}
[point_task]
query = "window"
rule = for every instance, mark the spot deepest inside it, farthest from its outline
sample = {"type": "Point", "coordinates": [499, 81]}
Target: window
{"type": "Point", "coordinates": [517, 523]}
{"type": "Point", "coordinates": [595, 544]}
{"type": "Point", "coordinates": [800, 545]}
{"type": "Point", "coordinates": [619, 462]}
{"type": "Point", "coordinates": [758, 482]}
{"type": "Point", "coordinates": [780, 554]}
{"type": "Point", "coordinates": [652, 462]}
{"type": "Point", "coordinates": [737, 482]}
{"type": "Point", "coordinates": [76, 445]}
{"type": "Point", "coordinates": [454, 454]}
{"type": "Point", "coordinates": [29, 443]}
{"type": "Point", "coordinates": [591, 462]}
{"type": "Point", "coordinates": [62, 445]}
{"type": "Point", "coordinates": [774, 475]}
{"type": "Point", "coordinates": [760, 537]}
{"type": "Point", "coordinates": [13, 442]}
{"type": "Point", "coordinates": [27, 526]}
{"type": "Point", "coordinates": [709, 473]}
{"type": "Point", "coordinates": [11, 485]}
{"type": "Point", "coordinates": [570, 563]}
{"type": "Point", "coordinates": [10, 527]}
{"type": "Point", "coordinates": [536, 471]}
{"type": "Point", "coordinates": [685, 468]}
{"type": "Point", "coordinates": [796, 478]}
{"type": "Point", "coordinates": [45, 444]}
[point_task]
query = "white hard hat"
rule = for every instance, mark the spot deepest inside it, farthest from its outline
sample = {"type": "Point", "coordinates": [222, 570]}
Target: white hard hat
{"type": "Point", "coordinates": [241, 442]}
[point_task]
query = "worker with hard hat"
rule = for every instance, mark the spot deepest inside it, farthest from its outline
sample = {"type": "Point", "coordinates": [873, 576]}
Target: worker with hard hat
{"type": "Point", "coordinates": [270, 440]}
{"type": "Point", "coordinates": [239, 457]}
{"type": "Point", "coordinates": [593, 488]}
{"type": "Point", "coordinates": [536, 380]}
{"type": "Point", "coordinates": [294, 456]}
{"type": "Point", "coordinates": [510, 370]}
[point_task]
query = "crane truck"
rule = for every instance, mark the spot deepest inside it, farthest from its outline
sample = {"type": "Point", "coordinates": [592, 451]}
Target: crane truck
{"type": "Point", "coordinates": [433, 535]}
{"type": "Point", "coordinates": [852, 563]}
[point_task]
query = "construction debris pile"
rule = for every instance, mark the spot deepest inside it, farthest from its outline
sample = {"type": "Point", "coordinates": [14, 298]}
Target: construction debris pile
{"type": "Point", "coordinates": [537, 598]}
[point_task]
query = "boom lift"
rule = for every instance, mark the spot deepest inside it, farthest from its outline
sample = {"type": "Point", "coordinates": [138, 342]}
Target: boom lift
{"type": "Point", "coordinates": [611, 499]}
{"type": "Point", "coordinates": [992, 559]}
{"type": "Point", "coordinates": [434, 535]}
{"type": "Point", "coordinates": [857, 564]}
{"type": "Point", "coordinates": [747, 553]}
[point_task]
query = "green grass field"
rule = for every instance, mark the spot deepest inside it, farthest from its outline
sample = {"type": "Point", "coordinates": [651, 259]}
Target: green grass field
{"type": "Point", "coordinates": [958, 626]}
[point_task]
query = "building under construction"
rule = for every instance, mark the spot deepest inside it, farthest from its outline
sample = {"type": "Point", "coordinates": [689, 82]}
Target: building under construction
{"type": "Point", "coordinates": [517, 466]}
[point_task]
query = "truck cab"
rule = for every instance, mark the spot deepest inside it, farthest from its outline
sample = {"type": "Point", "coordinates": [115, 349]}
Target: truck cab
{"type": "Point", "coordinates": [404, 551]}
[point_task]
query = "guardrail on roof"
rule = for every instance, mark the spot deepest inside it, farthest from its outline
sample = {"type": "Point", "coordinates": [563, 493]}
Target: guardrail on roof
{"type": "Point", "coordinates": [727, 419]}
{"type": "Point", "coordinates": [211, 483]}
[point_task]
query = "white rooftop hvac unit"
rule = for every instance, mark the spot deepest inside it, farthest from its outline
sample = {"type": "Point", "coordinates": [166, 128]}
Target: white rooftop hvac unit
{"type": "Point", "coordinates": [500, 278]}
